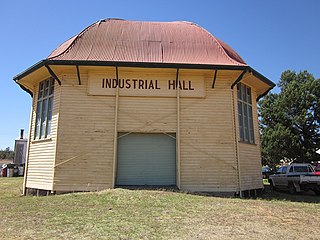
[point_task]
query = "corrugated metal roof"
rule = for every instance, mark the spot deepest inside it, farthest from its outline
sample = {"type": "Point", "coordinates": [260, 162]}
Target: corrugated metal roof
{"type": "Point", "coordinates": [147, 42]}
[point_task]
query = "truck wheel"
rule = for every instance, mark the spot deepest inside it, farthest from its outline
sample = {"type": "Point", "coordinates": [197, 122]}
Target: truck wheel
{"type": "Point", "coordinates": [271, 185]}
{"type": "Point", "coordinates": [292, 189]}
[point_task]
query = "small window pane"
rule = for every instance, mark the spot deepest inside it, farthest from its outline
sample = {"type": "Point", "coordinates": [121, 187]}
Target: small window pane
{"type": "Point", "coordinates": [44, 117]}
{"type": "Point", "coordinates": [40, 90]}
{"type": "Point", "coordinates": [284, 169]}
{"type": "Point", "coordinates": [245, 120]}
{"type": "Point", "coordinates": [250, 120]}
{"type": "Point", "coordinates": [243, 93]}
{"type": "Point", "coordinates": [51, 86]}
{"type": "Point", "coordinates": [38, 117]}
{"type": "Point", "coordinates": [249, 95]}
{"type": "Point", "coordinates": [301, 168]}
{"type": "Point", "coordinates": [240, 121]}
{"type": "Point", "coordinates": [46, 88]}
{"type": "Point", "coordinates": [50, 106]}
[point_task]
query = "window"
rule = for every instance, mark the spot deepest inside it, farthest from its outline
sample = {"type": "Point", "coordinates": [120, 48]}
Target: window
{"type": "Point", "coordinates": [44, 109]}
{"type": "Point", "coordinates": [301, 169]}
{"type": "Point", "coordinates": [245, 113]}
{"type": "Point", "coordinates": [284, 170]}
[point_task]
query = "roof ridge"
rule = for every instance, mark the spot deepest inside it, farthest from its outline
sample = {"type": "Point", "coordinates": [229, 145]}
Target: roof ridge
{"type": "Point", "coordinates": [74, 39]}
{"type": "Point", "coordinates": [217, 41]}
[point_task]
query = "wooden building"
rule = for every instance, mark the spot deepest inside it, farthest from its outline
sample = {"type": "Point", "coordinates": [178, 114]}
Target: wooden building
{"type": "Point", "coordinates": [143, 103]}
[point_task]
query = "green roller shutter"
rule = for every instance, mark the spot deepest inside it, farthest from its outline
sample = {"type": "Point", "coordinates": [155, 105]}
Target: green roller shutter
{"type": "Point", "coordinates": [146, 159]}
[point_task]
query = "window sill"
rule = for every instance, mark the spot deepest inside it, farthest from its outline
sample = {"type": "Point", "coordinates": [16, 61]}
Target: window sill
{"type": "Point", "coordinates": [252, 144]}
{"type": "Point", "coordinates": [41, 140]}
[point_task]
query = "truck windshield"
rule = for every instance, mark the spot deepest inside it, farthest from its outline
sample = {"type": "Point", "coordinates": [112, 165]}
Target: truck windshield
{"type": "Point", "coordinates": [282, 169]}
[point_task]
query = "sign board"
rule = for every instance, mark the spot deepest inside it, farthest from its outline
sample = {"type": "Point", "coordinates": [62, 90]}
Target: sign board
{"type": "Point", "coordinates": [135, 85]}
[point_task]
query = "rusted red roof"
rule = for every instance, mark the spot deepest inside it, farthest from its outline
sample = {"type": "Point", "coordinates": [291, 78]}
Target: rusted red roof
{"type": "Point", "coordinates": [147, 42]}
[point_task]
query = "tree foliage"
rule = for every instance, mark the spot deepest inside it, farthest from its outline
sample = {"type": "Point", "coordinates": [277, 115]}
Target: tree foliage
{"type": "Point", "coordinates": [290, 120]}
{"type": "Point", "coordinates": [6, 154]}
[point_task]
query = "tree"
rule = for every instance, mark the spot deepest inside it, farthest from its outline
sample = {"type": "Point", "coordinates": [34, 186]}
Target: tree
{"type": "Point", "coordinates": [6, 154]}
{"type": "Point", "coordinates": [290, 120]}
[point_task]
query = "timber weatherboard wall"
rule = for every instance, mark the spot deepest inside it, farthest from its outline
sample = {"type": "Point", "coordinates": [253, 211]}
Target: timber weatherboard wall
{"type": "Point", "coordinates": [84, 141]}
{"type": "Point", "coordinates": [87, 123]}
{"type": "Point", "coordinates": [85, 137]}
{"type": "Point", "coordinates": [85, 150]}
{"type": "Point", "coordinates": [207, 143]}
{"type": "Point", "coordinates": [41, 153]}
{"type": "Point", "coordinates": [250, 154]}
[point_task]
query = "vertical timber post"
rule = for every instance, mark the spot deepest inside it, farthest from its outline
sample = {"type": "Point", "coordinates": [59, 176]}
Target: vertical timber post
{"type": "Point", "coordinates": [236, 142]}
{"type": "Point", "coordinates": [178, 129]}
{"type": "Point", "coordinates": [24, 190]}
{"type": "Point", "coordinates": [115, 140]}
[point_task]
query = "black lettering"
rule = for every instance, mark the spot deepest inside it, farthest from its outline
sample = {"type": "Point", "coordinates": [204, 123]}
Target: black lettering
{"type": "Point", "coordinates": [180, 85]}
{"type": "Point", "coordinates": [108, 83]}
{"type": "Point", "coordinates": [190, 86]}
{"type": "Point", "coordinates": [121, 83]}
{"type": "Point", "coordinates": [102, 82]}
{"type": "Point", "coordinates": [171, 84]}
{"type": "Point", "coordinates": [115, 83]}
{"type": "Point", "coordinates": [151, 85]}
{"type": "Point", "coordinates": [184, 85]}
{"type": "Point", "coordinates": [157, 85]}
{"type": "Point", "coordinates": [141, 83]}
{"type": "Point", "coordinates": [128, 84]}
{"type": "Point", "coordinates": [134, 83]}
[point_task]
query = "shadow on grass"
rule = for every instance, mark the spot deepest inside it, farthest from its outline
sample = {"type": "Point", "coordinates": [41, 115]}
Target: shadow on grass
{"type": "Point", "coordinates": [267, 194]}
{"type": "Point", "coordinates": [175, 189]}
{"type": "Point", "coordinates": [306, 197]}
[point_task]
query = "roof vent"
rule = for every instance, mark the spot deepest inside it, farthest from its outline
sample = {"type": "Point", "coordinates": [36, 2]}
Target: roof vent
{"type": "Point", "coordinates": [115, 19]}
{"type": "Point", "coordinates": [107, 19]}
{"type": "Point", "coordinates": [100, 21]}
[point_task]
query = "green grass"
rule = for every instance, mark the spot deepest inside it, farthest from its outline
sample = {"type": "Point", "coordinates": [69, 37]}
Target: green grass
{"type": "Point", "coordinates": [151, 214]}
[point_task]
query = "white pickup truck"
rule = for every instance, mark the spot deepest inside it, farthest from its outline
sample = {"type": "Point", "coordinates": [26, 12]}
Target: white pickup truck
{"type": "Point", "coordinates": [296, 177]}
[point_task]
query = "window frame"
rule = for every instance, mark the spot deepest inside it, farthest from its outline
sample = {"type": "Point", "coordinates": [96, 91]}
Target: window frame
{"type": "Point", "coordinates": [44, 108]}
{"type": "Point", "coordinates": [245, 114]}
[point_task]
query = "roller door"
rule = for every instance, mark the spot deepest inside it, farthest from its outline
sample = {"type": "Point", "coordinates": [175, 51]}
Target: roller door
{"type": "Point", "coordinates": [146, 159]}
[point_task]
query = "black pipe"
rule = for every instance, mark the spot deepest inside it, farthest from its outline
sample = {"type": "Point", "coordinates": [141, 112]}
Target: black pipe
{"type": "Point", "coordinates": [238, 79]}
{"type": "Point", "coordinates": [53, 74]}
{"type": "Point", "coordinates": [21, 133]}
{"type": "Point", "coordinates": [177, 79]}
{"type": "Point", "coordinates": [78, 73]}
{"type": "Point", "coordinates": [214, 78]}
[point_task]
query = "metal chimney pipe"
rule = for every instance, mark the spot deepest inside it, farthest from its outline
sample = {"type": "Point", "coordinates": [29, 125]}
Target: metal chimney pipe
{"type": "Point", "coordinates": [21, 133]}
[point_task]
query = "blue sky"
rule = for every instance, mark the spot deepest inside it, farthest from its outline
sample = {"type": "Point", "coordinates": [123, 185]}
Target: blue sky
{"type": "Point", "coordinates": [271, 36]}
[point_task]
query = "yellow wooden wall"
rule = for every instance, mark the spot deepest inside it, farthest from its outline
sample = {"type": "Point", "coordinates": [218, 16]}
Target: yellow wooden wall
{"type": "Point", "coordinates": [41, 155]}
{"type": "Point", "coordinates": [79, 155]}
{"type": "Point", "coordinates": [208, 160]}
{"type": "Point", "coordinates": [148, 113]}
{"type": "Point", "coordinates": [85, 138]}
{"type": "Point", "coordinates": [250, 154]}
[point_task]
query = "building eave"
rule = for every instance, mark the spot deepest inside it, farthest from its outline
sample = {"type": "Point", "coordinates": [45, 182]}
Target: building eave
{"type": "Point", "coordinates": [48, 62]}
